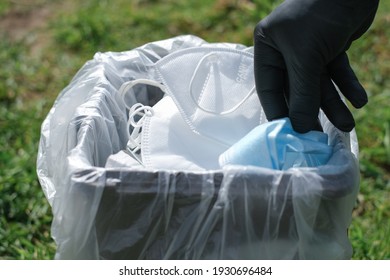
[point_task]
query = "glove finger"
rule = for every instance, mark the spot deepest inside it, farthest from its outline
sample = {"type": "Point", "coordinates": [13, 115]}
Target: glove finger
{"type": "Point", "coordinates": [342, 74]}
{"type": "Point", "coordinates": [333, 107]}
{"type": "Point", "coordinates": [269, 69]}
{"type": "Point", "coordinates": [304, 73]}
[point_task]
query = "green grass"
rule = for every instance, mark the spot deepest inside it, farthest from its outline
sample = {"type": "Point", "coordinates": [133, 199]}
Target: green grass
{"type": "Point", "coordinates": [29, 83]}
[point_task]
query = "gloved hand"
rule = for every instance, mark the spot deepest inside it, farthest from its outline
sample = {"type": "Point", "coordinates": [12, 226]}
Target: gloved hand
{"type": "Point", "coordinates": [299, 49]}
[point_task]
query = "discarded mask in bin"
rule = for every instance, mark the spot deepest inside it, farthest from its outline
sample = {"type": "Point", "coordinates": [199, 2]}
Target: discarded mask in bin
{"type": "Point", "coordinates": [184, 195]}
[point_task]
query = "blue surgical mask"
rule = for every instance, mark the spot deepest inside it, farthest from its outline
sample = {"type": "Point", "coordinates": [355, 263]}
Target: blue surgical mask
{"type": "Point", "coordinates": [276, 145]}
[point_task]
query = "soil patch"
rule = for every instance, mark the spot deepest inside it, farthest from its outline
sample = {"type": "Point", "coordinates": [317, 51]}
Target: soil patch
{"type": "Point", "coordinates": [28, 22]}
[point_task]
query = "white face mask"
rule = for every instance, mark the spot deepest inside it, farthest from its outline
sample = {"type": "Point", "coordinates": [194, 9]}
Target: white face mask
{"type": "Point", "coordinates": [161, 139]}
{"type": "Point", "coordinates": [211, 107]}
{"type": "Point", "coordinates": [213, 90]}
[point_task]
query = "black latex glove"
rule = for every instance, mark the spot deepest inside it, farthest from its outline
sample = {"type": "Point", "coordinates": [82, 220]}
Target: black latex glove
{"type": "Point", "coordinates": [299, 49]}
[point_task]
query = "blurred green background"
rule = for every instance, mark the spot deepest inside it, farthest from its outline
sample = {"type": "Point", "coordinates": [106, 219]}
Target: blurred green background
{"type": "Point", "coordinates": [44, 42]}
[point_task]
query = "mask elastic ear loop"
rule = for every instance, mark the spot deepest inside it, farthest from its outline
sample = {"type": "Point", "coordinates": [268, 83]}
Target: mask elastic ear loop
{"type": "Point", "coordinates": [139, 110]}
{"type": "Point", "coordinates": [128, 85]}
{"type": "Point", "coordinates": [135, 137]}
{"type": "Point", "coordinates": [210, 111]}
{"type": "Point", "coordinates": [136, 110]}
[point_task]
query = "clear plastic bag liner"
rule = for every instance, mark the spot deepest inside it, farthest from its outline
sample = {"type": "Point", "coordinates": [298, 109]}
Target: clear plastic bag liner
{"type": "Point", "coordinates": [106, 209]}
